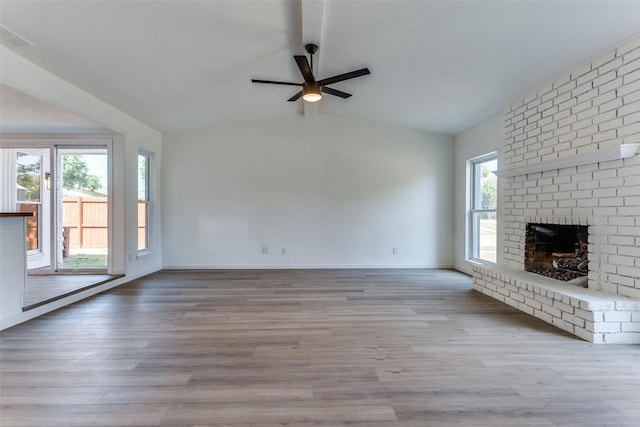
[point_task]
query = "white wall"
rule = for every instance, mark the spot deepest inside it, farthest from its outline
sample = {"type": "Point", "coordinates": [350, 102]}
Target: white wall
{"type": "Point", "coordinates": [333, 191]}
{"type": "Point", "coordinates": [483, 138]}
{"type": "Point", "coordinates": [29, 78]}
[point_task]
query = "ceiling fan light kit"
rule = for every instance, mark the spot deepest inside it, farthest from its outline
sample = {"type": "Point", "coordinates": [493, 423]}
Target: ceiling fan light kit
{"type": "Point", "coordinates": [311, 92]}
{"type": "Point", "coordinates": [312, 89]}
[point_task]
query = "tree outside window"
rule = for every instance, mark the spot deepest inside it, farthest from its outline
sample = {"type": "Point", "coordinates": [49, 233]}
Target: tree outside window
{"type": "Point", "coordinates": [76, 176]}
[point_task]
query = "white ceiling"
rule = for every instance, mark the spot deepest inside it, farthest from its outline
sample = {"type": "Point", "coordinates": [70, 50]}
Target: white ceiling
{"type": "Point", "coordinates": [22, 113]}
{"type": "Point", "coordinates": [436, 65]}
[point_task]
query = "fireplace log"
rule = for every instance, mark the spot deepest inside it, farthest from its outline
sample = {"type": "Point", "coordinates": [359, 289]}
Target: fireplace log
{"type": "Point", "coordinates": [563, 255]}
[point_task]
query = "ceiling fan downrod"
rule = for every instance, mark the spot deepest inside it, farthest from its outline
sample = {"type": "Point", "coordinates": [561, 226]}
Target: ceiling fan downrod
{"type": "Point", "coordinates": [311, 49]}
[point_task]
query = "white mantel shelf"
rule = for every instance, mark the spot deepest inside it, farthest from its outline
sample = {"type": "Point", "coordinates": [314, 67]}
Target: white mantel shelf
{"type": "Point", "coordinates": [617, 152]}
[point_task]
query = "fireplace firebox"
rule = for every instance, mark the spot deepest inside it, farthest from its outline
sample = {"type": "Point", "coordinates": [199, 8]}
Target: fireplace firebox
{"type": "Point", "coordinates": [558, 251]}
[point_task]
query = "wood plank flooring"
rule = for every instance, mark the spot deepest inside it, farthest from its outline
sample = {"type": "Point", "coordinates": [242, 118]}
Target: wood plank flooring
{"type": "Point", "coordinates": [308, 348]}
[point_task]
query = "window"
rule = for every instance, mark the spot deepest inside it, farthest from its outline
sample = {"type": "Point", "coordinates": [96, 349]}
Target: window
{"type": "Point", "coordinates": [483, 187]}
{"type": "Point", "coordinates": [144, 200]}
{"type": "Point", "coordinates": [29, 195]}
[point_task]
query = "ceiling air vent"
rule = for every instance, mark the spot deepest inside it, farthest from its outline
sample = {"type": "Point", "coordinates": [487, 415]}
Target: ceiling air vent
{"type": "Point", "coordinates": [11, 39]}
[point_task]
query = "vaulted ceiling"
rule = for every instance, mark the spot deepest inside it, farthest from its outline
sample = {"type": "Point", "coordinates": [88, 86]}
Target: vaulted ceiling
{"type": "Point", "coordinates": [436, 65]}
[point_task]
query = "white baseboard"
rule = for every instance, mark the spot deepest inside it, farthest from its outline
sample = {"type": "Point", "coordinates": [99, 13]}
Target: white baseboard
{"type": "Point", "coordinates": [299, 267]}
{"type": "Point", "coordinates": [465, 269]}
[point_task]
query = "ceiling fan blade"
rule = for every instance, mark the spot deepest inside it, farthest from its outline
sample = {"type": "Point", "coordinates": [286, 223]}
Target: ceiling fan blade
{"type": "Point", "coordinates": [295, 97]}
{"type": "Point", "coordinates": [275, 83]}
{"type": "Point", "coordinates": [335, 92]}
{"type": "Point", "coordinates": [305, 69]}
{"type": "Point", "coordinates": [345, 76]}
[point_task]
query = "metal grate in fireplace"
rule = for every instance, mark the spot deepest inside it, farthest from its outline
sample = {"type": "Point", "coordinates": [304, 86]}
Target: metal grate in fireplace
{"type": "Point", "coordinates": [558, 251]}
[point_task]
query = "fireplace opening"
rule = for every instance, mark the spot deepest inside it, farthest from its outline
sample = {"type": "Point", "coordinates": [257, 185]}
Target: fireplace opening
{"type": "Point", "coordinates": [558, 251]}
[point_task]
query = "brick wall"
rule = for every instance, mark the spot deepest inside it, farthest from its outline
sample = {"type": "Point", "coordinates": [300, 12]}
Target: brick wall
{"type": "Point", "coordinates": [593, 107]}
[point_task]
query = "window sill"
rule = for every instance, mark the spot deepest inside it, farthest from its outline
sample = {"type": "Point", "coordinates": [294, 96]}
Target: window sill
{"type": "Point", "coordinates": [481, 262]}
{"type": "Point", "coordinates": [142, 255]}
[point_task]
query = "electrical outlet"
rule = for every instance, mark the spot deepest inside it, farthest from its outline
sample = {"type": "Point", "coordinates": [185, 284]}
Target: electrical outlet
{"type": "Point", "coordinates": [394, 250]}
{"type": "Point", "coordinates": [284, 251]}
{"type": "Point", "coordinates": [265, 250]}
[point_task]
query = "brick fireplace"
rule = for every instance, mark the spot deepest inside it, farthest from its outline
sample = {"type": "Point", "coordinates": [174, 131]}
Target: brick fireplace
{"type": "Point", "coordinates": [570, 157]}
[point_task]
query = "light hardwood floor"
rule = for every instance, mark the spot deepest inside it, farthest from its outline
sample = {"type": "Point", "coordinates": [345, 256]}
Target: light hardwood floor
{"type": "Point", "coordinates": [308, 348]}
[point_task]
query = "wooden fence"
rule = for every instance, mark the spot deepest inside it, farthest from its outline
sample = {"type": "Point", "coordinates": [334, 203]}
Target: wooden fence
{"type": "Point", "coordinates": [85, 222]}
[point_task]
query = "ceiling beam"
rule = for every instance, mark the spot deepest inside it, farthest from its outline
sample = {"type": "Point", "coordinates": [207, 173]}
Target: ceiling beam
{"type": "Point", "coordinates": [312, 12]}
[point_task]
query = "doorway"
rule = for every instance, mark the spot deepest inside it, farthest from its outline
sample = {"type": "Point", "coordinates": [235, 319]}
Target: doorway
{"type": "Point", "coordinates": [82, 204]}
{"type": "Point", "coordinates": [67, 189]}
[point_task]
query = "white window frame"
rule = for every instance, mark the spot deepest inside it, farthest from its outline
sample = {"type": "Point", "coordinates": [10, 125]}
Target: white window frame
{"type": "Point", "coordinates": [473, 243]}
{"type": "Point", "coordinates": [149, 201]}
{"type": "Point", "coordinates": [40, 253]}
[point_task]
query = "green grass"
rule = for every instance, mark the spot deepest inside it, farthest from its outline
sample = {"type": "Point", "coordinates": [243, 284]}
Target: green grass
{"type": "Point", "coordinates": [85, 261]}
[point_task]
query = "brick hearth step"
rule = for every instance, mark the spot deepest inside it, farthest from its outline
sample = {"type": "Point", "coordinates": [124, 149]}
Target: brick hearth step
{"type": "Point", "coordinates": [590, 314]}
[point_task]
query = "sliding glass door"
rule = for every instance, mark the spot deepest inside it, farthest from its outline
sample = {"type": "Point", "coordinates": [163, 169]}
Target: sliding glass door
{"type": "Point", "coordinates": [66, 187]}
{"type": "Point", "coordinates": [83, 208]}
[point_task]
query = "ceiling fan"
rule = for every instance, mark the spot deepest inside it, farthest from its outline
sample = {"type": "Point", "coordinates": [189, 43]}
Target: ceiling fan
{"type": "Point", "coordinates": [312, 89]}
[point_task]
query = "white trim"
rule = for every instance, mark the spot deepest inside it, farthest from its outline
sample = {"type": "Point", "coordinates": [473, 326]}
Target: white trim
{"type": "Point", "coordinates": [117, 197]}
{"type": "Point", "coordinates": [302, 266]}
{"type": "Point", "coordinates": [617, 152]}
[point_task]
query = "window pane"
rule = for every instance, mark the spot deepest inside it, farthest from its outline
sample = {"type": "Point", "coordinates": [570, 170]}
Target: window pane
{"type": "Point", "coordinates": [486, 191]}
{"type": "Point", "coordinates": [142, 177]}
{"type": "Point", "coordinates": [485, 244]}
{"type": "Point", "coordinates": [28, 167]}
{"type": "Point", "coordinates": [142, 225]}
{"type": "Point", "coordinates": [32, 224]}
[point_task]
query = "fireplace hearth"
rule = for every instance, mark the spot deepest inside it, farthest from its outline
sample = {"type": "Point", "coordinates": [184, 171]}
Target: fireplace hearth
{"type": "Point", "coordinates": [558, 251]}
